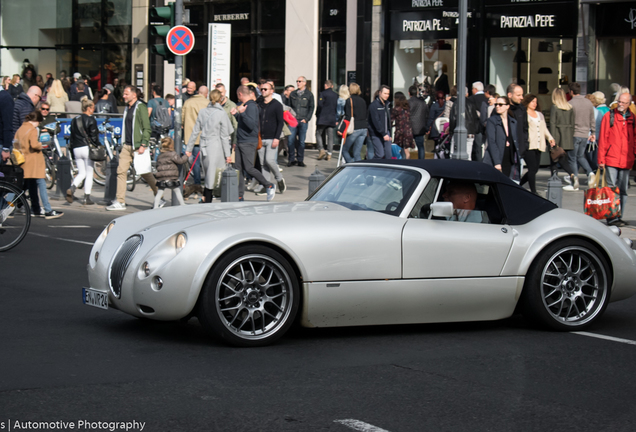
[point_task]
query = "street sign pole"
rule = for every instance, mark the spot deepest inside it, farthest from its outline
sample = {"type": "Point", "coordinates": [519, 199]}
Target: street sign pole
{"type": "Point", "coordinates": [460, 132]}
{"type": "Point", "coordinates": [178, 67]}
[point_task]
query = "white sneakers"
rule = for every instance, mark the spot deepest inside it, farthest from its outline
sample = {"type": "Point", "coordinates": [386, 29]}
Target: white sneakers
{"type": "Point", "coordinates": [116, 206]}
{"type": "Point", "coordinates": [271, 192]}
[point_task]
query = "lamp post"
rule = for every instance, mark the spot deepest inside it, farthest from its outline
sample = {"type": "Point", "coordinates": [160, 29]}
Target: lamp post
{"type": "Point", "coordinates": [178, 69]}
{"type": "Point", "coordinates": [460, 132]}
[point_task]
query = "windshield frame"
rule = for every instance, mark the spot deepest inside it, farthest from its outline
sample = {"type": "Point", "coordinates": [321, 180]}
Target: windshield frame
{"type": "Point", "coordinates": [410, 196]}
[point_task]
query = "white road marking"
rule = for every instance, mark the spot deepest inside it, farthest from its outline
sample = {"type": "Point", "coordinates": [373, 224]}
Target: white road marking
{"type": "Point", "coordinates": [63, 239]}
{"type": "Point", "coordinates": [69, 226]}
{"type": "Point", "coordinates": [609, 338]}
{"type": "Point", "coordinates": [360, 425]}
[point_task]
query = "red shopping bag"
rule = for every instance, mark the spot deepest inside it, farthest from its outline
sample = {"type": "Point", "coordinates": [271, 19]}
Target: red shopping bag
{"type": "Point", "coordinates": [602, 202]}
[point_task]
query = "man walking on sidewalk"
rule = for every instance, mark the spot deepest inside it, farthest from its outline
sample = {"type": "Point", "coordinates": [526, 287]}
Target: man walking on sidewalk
{"type": "Point", "coordinates": [271, 119]}
{"type": "Point", "coordinates": [616, 148]}
{"type": "Point", "coordinates": [191, 109]}
{"type": "Point", "coordinates": [247, 116]}
{"type": "Point", "coordinates": [135, 134]}
{"type": "Point", "coordinates": [326, 115]}
{"type": "Point", "coordinates": [584, 122]}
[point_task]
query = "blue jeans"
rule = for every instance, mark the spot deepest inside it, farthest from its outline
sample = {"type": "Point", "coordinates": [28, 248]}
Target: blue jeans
{"type": "Point", "coordinates": [617, 177]}
{"type": "Point", "coordinates": [382, 148]}
{"type": "Point", "coordinates": [577, 156]}
{"type": "Point", "coordinates": [38, 187]}
{"type": "Point", "coordinates": [370, 149]}
{"type": "Point", "coordinates": [297, 142]}
{"type": "Point", "coordinates": [419, 143]}
{"type": "Point", "coordinates": [355, 142]}
{"type": "Point", "coordinates": [196, 171]}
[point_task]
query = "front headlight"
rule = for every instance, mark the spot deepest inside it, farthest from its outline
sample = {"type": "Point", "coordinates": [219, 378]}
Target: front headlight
{"type": "Point", "coordinates": [180, 242]}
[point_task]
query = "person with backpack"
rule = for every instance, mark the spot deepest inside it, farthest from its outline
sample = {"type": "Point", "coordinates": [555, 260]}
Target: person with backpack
{"type": "Point", "coordinates": [616, 149]}
{"type": "Point", "coordinates": [159, 113]}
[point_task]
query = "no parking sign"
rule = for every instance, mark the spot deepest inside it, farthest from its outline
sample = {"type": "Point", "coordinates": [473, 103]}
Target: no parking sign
{"type": "Point", "coordinates": [180, 40]}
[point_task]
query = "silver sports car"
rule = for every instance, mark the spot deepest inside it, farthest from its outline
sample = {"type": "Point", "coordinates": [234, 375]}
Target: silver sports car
{"type": "Point", "coordinates": [377, 243]}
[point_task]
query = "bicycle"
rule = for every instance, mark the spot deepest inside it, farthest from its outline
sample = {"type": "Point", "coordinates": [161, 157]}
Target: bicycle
{"type": "Point", "coordinates": [111, 142]}
{"type": "Point", "coordinates": [54, 154]}
{"type": "Point", "coordinates": [15, 216]}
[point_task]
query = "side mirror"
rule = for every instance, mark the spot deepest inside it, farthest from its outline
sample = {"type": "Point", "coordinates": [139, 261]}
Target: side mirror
{"type": "Point", "coordinates": [442, 209]}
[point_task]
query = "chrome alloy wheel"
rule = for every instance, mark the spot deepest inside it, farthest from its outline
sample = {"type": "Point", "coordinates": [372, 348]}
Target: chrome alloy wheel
{"type": "Point", "coordinates": [254, 297]}
{"type": "Point", "coordinates": [574, 286]}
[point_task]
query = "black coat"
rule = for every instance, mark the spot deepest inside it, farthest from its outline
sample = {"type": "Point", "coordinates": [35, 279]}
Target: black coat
{"type": "Point", "coordinates": [419, 115]}
{"type": "Point", "coordinates": [520, 114]}
{"type": "Point", "coordinates": [379, 119]}
{"type": "Point", "coordinates": [326, 113]}
{"type": "Point", "coordinates": [23, 107]}
{"type": "Point", "coordinates": [78, 139]}
{"type": "Point", "coordinates": [6, 119]}
{"type": "Point", "coordinates": [497, 138]}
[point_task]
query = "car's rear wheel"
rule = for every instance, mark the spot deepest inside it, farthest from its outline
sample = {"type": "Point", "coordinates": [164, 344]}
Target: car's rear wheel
{"type": "Point", "coordinates": [567, 287]}
{"type": "Point", "coordinates": [251, 297]}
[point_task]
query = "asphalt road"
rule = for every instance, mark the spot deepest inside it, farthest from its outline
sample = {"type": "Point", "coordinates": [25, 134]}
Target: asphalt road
{"type": "Point", "coordinates": [64, 361]}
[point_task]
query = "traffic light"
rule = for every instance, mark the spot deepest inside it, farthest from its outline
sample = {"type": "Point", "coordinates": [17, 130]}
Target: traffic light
{"type": "Point", "coordinates": [161, 21]}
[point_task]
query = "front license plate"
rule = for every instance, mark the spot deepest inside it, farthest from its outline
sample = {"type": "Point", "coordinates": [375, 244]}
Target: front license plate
{"type": "Point", "coordinates": [95, 298]}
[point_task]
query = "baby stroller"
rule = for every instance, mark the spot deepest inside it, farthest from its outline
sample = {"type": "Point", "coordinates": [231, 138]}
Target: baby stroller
{"type": "Point", "coordinates": [443, 142]}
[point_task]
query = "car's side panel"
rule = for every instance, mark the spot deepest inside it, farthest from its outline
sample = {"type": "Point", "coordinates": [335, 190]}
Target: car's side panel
{"type": "Point", "coordinates": [440, 248]}
{"type": "Point", "coordinates": [338, 304]}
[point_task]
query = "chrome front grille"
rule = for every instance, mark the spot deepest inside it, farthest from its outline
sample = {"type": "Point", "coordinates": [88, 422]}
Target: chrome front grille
{"type": "Point", "coordinates": [121, 262]}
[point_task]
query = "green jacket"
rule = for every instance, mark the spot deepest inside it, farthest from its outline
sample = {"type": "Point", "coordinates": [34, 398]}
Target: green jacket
{"type": "Point", "coordinates": [141, 125]}
{"type": "Point", "coordinates": [227, 108]}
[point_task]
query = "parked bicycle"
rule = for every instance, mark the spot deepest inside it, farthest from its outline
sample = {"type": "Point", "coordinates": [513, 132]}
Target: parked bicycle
{"type": "Point", "coordinates": [15, 215]}
{"type": "Point", "coordinates": [53, 152]}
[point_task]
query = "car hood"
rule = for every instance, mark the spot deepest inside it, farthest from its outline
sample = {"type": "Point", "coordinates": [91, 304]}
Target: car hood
{"type": "Point", "coordinates": [191, 215]}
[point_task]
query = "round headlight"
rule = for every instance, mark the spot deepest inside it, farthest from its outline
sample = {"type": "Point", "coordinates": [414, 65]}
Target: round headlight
{"type": "Point", "coordinates": [180, 241]}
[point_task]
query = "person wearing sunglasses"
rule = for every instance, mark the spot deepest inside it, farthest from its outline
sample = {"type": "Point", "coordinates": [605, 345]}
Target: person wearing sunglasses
{"type": "Point", "coordinates": [501, 130]}
{"type": "Point", "coordinates": [48, 118]}
{"type": "Point", "coordinates": [302, 102]}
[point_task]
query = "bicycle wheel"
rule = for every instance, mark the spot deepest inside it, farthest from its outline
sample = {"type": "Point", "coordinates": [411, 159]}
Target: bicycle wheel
{"type": "Point", "coordinates": [15, 216]}
{"type": "Point", "coordinates": [49, 173]}
{"type": "Point", "coordinates": [131, 179]}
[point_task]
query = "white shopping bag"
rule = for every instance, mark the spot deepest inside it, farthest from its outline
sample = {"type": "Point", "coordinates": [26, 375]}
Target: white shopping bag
{"type": "Point", "coordinates": [142, 163]}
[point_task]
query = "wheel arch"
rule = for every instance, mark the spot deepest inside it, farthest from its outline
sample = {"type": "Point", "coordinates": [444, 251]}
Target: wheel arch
{"type": "Point", "coordinates": [534, 253]}
{"type": "Point", "coordinates": [298, 269]}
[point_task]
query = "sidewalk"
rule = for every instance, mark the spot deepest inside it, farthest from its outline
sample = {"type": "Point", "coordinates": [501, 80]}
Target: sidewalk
{"type": "Point", "coordinates": [297, 180]}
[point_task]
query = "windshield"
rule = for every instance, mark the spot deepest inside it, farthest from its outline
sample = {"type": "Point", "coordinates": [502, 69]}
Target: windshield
{"type": "Point", "coordinates": [380, 189]}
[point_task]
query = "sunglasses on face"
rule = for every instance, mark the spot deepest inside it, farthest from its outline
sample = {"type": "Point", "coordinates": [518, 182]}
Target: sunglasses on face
{"type": "Point", "coordinates": [500, 104]}
{"type": "Point", "coordinates": [45, 109]}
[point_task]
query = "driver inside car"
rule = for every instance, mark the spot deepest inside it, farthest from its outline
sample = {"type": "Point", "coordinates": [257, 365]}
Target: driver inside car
{"type": "Point", "coordinates": [463, 195]}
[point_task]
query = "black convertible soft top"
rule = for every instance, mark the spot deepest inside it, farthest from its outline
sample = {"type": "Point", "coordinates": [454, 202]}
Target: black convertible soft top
{"type": "Point", "coordinates": [520, 205]}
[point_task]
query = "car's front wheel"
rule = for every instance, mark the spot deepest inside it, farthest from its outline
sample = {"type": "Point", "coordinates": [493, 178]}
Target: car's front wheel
{"type": "Point", "coordinates": [251, 297]}
{"type": "Point", "coordinates": [567, 286]}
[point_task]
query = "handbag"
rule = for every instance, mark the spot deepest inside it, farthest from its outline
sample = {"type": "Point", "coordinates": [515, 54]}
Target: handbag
{"type": "Point", "coordinates": [556, 152]}
{"type": "Point", "coordinates": [602, 202]}
{"type": "Point", "coordinates": [95, 153]}
{"type": "Point", "coordinates": [142, 162]}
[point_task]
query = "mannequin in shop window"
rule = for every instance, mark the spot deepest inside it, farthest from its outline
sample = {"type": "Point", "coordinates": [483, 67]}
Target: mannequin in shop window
{"type": "Point", "coordinates": [441, 80]}
{"type": "Point", "coordinates": [423, 83]}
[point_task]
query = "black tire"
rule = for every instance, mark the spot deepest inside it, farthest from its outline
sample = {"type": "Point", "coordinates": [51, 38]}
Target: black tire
{"type": "Point", "coordinates": [15, 223]}
{"type": "Point", "coordinates": [567, 287]}
{"type": "Point", "coordinates": [241, 287]}
{"type": "Point", "coordinates": [49, 173]}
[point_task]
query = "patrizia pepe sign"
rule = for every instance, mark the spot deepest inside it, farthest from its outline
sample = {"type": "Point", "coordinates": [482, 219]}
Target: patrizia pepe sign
{"type": "Point", "coordinates": [553, 20]}
{"type": "Point", "coordinates": [527, 21]}
{"type": "Point", "coordinates": [425, 24]}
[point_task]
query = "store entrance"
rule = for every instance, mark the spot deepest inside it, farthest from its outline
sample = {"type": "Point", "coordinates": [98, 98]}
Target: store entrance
{"type": "Point", "coordinates": [242, 63]}
{"type": "Point", "coordinates": [333, 52]}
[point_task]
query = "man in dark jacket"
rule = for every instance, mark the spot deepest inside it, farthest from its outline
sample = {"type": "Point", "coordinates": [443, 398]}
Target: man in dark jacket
{"type": "Point", "coordinates": [477, 99]}
{"type": "Point", "coordinates": [380, 124]}
{"type": "Point", "coordinates": [519, 112]}
{"type": "Point", "coordinates": [24, 105]}
{"type": "Point", "coordinates": [302, 102]}
{"type": "Point", "coordinates": [6, 118]}
{"type": "Point", "coordinates": [271, 118]}
{"type": "Point", "coordinates": [247, 116]}
{"type": "Point", "coordinates": [419, 116]}
{"type": "Point", "coordinates": [326, 114]}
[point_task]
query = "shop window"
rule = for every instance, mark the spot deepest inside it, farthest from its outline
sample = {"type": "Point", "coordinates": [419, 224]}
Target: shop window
{"type": "Point", "coordinates": [272, 59]}
{"type": "Point", "coordinates": [539, 65]}
{"type": "Point", "coordinates": [429, 64]}
{"type": "Point", "coordinates": [272, 16]}
{"type": "Point", "coordinates": [614, 60]}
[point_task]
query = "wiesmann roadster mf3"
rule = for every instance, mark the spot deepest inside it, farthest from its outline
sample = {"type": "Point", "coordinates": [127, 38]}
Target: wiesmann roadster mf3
{"type": "Point", "coordinates": [377, 243]}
